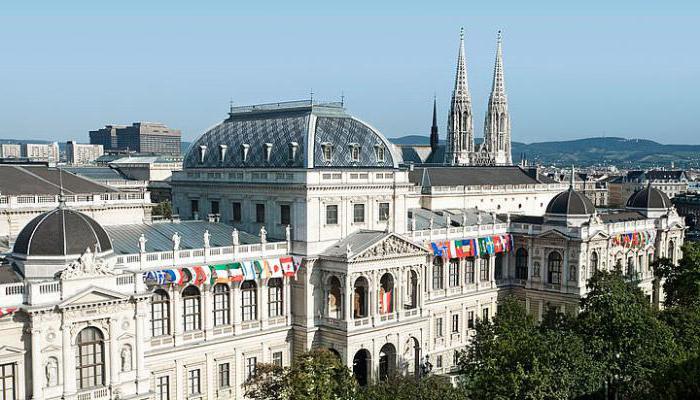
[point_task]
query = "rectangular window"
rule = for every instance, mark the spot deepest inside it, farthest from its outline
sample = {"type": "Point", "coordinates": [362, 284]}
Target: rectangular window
{"type": "Point", "coordinates": [274, 294]}
{"type": "Point", "coordinates": [250, 367]}
{"type": "Point", "coordinates": [453, 272]}
{"type": "Point", "coordinates": [236, 211]}
{"type": "Point", "coordinates": [285, 214]}
{"type": "Point", "coordinates": [277, 358]}
{"type": "Point", "coordinates": [224, 375]}
{"type": "Point", "coordinates": [8, 386]}
{"type": "Point", "coordinates": [470, 320]}
{"type": "Point", "coordinates": [438, 327]}
{"type": "Point", "coordinates": [214, 206]}
{"type": "Point", "coordinates": [194, 206]}
{"type": "Point", "coordinates": [485, 314]}
{"type": "Point", "coordinates": [379, 150]}
{"type": "Point", "coordinates": [249, 304]}
{"type": "Point", "coordinates": [260, 213]}
{"type": "Point", "coordinates": [193, 382]}
{"type": "Point", "coordinates": [327, 151]}
{"type": "Point", "coordinates": [383, 211]}
{"type": "Point", "coordinates": [355, 152]}
{"type": "Point", "coordinates": [438, 362]}
{"type": "Point", "coordinates": [455, 323]}
{"type": "Point", "coordinates": [358, 213]}
{"type": "Point", "coordinates": [163, 388]}
{"type": "Point", "coordinates": [484, 269]}
{"type": "Point", "coordinates": [332, 214]}
{"type": "Point", "coordinates": [469, 270]}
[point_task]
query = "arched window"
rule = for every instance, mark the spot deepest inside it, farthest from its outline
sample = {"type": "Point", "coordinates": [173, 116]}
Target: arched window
{"type": "Point", "coordinates": [386, 294]}
{"type": "Point", "coordinates": [671, 251]}
{"type": "Point", "coordinates": [438, 282]}
{"type": "Point", "coordinates": [192, 302]}
{"type": "Point", "coordinates": [387, 361]}
{"type": "Point", "coordinates": [249, 301]}
{"type": "Point", "coordinates": [275, 298]}
{"type": "Point", "coordinates": [484, 264]}
{"type": "Point", "coordinates": [554, 268]}
{"type": "Point", "coordinates": [90, 360]}
{"type": "Point", "coordinates": [359, 301]}
{"type": "Point", "coordinates": [335, 304]}
{"type": "Point", "coordinates": [222, 304]}
{"type": "Point", "coordinates": [594, 262]}
{"type": "Point", "coordinates": [160, 313]}
{"type": "Point", "coordinates": [521, 263]}
{"type": "Point", "coordinates": [469, 270]}
{"type": "Point", "coordinates": [498, 267]}
{"type": "Point", "coordinates": [412, 292]}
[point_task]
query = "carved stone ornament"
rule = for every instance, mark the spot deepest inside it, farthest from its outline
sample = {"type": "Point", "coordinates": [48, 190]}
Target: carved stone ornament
{"type": "Point", "coordinates": [86, 266]}
{"type": "Point", "coordinates": [390, 246]}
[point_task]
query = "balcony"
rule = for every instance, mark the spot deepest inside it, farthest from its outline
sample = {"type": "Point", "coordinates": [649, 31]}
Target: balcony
{"type": "Point", "coordinates": [100, 393]}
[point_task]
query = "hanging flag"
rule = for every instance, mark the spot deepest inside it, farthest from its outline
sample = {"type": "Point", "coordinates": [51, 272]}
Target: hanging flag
{"type": "Point", "coordinates": [248, 271]}
{"type": "Point", "coordinates": [452, 249]}
{"type": "Point", "coordinates": [154, 277]}
{"type": "Point", "coordinates": [174, 276]}
{"type": "Point", "coordinates": [288, 265]}
{"type": "Point", "coordinates": [497, 245]}
{"type": "Point", "coordinates": [7, 311]}
{"type": "Point", "coordinates": [275, 267]}
{"type": "Point", "coordinates": [437, 250]}
{"type": "Point", "coordinates": [219, 273]}
{"type": "Point", "coordinates": [235, 272]}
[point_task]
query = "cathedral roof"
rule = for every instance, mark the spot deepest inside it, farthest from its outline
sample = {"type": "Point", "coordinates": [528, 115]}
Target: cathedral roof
{"type": "Point", "coordinates": [649, 198]}
{"type": "Point", "coordinates": [570, 202]}
{"type": "Point", "coordinates": [291, 135]}
{"type": "Point", "coordinates": [61, 232]}
{"type": "Point", "coordinates": [464, 176]}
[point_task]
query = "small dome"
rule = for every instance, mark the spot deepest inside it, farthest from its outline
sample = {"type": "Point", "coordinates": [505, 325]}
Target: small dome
{"type": "Point", "coordinates": [649, 198]}
{"type": "Point", "coordinates": [570, 202]}
{"type": "Point", "coordinates": [60, 233]}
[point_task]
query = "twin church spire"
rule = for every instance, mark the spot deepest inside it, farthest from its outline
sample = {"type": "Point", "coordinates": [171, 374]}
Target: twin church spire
{"type": "Point", "coordinates": [495, 148]}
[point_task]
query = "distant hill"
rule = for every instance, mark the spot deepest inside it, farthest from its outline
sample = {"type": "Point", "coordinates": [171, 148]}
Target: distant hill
{"type": "Point", "coordinates": [592, 151]}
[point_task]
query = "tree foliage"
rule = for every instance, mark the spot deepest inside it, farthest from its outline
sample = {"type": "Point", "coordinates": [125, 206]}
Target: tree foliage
{"type": "Point", "coordinates": [399, 387]}
{"type": "Point", "coordinates": [164, 209]}
{"type": "Point", "coordinates": [682, 282]}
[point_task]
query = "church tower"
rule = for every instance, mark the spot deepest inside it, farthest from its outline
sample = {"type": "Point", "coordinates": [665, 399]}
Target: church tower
{"type": "Point", "coordinates": [460, 132]}
{"type": "Point", "coordinates": [497, 123]}
{"type": "Point", "coordinates": [434, 137]}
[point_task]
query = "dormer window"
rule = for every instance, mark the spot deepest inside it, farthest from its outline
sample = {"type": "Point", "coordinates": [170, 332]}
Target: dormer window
{"type": "Point", "coordinates": [379, 152]}
{"type": "Point", "coordinates": [222, 152]}
{"type": "Point", "coordinates": [354, 152]}
{"type": "Point", "coordinates": [202, 153]}
{"type": "Point", "coordinates": [327, 149]}
{"type": "Point", "coordinates": [268, 151]}
{"type": "Point", "coordinates": [244, 151]}
{"type": "Point", "coordinates": [293, 148]}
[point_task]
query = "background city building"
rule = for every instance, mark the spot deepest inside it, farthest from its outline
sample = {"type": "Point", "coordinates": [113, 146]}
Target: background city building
{"type": "Point", "coordinates": [81, 154]}
{"type": "Point", "coordinates": [139, 137]}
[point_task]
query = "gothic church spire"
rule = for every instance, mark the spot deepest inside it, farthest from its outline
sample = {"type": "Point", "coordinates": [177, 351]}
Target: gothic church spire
{"type": "Point", "coordinates": [434, 137]}
{"type": "Point", "coordinates": [460, 133]}
{"type": "Point", "coordinates": [497, 122]}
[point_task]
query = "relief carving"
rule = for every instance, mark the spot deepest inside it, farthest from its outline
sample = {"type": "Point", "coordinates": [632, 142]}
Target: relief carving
{"type": "Point", "coordinates": [86, 266]}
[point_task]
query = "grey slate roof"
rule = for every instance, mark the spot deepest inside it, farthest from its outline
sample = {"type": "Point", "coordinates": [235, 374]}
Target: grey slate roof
{"type": "Point", "coordinates": [456, 176]}
{"type": "Point", "coordinates": [97, 173]}
{"type": "Point", "coordinates": [422, 217]}
{"type": "Point", "coordinates": [40, 179]}
{"type": "Point", "coordinates": [61, 232]}
{"type": "Point", "coordinates": [125, 238]}
{"type": "Point", "coordinates": [622, 216]}
{"type": "Point", "coordinates": [649, 197]}
{"type": "Point", "coordinates": [8, 275]}
{"type": "Point", "coordinates": [570, 202]}
{"type": "Point", "coordinates": [359, 241]}
{"type": "Point", "coordinates": [281, 125]}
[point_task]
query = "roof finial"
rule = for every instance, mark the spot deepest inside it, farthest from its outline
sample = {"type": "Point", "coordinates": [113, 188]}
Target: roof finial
{"type": "Point", "coordinates": [461, 33]}
{"type": "Point", "coordinates": [312, 95]}
{"type": "Point", "coordinates": [61, 196]}
{"type": "Point", "coordinates": [342, 98]}
{"type": "Point", "coordinates": [571, 183]}
{"type": "Point", "coordinates": [230, 105]}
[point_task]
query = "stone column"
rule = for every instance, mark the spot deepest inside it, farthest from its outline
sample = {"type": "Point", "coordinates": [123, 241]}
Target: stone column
{"type": "Point", "coordinates": [264, 306]}
{"type": "Point", "coordinates": [347, 303]}
{"type": "Point", "coordinates": [176, 318]}
{"type": "Point", "coordinates": [37, 375]}
{"type": "Point", "coordinates": [235, 304]}
{"type": "Point", "coordinates": [68, 361]}
{"type": "Point", "coordinates": [207, 310]}
{"type": "Point", "coordinates": [477, 269]}
{"type": "Point", "coordinates": [115, 364]}
{"type": "Point", "coordinates": [140, 352]}
{"type": "Point", "coordinates": [287, 299]}
{"type": "Point", "coordinates": [398, 294]}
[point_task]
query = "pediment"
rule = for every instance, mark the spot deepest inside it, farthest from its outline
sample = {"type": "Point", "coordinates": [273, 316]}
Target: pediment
{"type": "Point", "coordinates": [126, 335]}
{"type": "Point", "coordinates": [392, 245]}
{"type": "Point", "coordinates": [553, 234]}
{"type": "Point", "coordinates": [93, 295]}
{"type": "Point", "coordinates": [10, 352]}
{"type": "Point", "coordinates": [600, 235]}
{"type": "Point", "coordinates": [50, 349]}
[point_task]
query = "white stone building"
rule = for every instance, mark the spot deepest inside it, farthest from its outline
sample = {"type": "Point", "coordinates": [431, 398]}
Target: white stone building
{"type": "Point", "coordinates": [82, 153]}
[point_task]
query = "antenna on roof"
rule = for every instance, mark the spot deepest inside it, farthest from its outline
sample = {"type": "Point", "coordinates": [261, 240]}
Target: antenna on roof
{"type": "Point", "coordinates": [230, 106]}
{"type": "Point", "coordinates": [571, 184]}
{"type": "Point", "coordinates": [342, 98]}
{"type": "Point", "coordinates": [312, 96]}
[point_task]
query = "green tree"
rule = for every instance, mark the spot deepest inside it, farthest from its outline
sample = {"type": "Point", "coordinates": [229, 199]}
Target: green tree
{"type": "Point", "coordinates": [164, 209]}
{"type": "Point", "coordinates": [620, 330]}
{"type": "Point", "coordinates": [267, 384]}
{"type": "Point", "coordinates": [400, 387]}
{"type": "Point", "coordinates": [514, 358]}
{"type": "Point", "coordinates": [681, 283]}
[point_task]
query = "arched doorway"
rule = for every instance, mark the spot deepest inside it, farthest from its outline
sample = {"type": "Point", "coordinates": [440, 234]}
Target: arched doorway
{"type": "Point", "coordinates": [411, 357]}
{"type": "Point", "coordinates": [387, 361]}
{"type": "Point", "coordinates": [361, 367]}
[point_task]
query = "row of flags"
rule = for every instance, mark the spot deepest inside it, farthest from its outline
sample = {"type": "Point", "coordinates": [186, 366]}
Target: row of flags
{"type": "Point", "coordinates": [223, 273]}
{"type": "Point", "coordinates": [482, 246]}
{"type": "Point", "coordinates": [634, 239]}
{"type": "Point", "coordinates": [7, 311]}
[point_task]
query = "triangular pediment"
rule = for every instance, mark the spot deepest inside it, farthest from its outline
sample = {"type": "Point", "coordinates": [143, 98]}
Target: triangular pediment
{"type": "Point", "coordinates": [10, 351]}
{"type": "Point", "coordinates": [392, 245]}
{"type": "Point", "coordinates": [600, 235]}
{"type": "Point", "coordinates": [126, 335]}
{"type": "Point", "coordinates": [93, 295]}
{"type": "Point", "coordinates": [553, 234]}
{"type": "Point", "coordinates": [50, 349]}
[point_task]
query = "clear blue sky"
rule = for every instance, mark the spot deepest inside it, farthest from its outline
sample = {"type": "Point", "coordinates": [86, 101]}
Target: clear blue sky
{"type": "Point", "coordinates": [628, 69]}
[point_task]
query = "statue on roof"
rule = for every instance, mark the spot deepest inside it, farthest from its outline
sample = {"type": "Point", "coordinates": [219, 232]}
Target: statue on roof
{"type": "Point", "coordinates": [206, 237]}
{"type": "Point", "coordinates": [176, 241]}
{"type": "Point", "coordinates": [234, 237]}
{"type": "Point", "coordinates": [142, 243]}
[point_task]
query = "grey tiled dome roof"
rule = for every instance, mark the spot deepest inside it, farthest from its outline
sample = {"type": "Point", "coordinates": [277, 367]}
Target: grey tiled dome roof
{"type": "Point", "coordinates": [61, 232]}
{"type": "Point", "coordinates": [570, 202]}
{"type": "Point", "coordinates": [278, 127]}
{"type": "Point", "coordinates": [649, 197]}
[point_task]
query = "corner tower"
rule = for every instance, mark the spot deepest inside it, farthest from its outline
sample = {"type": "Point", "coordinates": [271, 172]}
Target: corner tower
{"type": "Point", "coordinates": [497, 123]}
{"type": "Point", "coordinates": [460, 131]}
